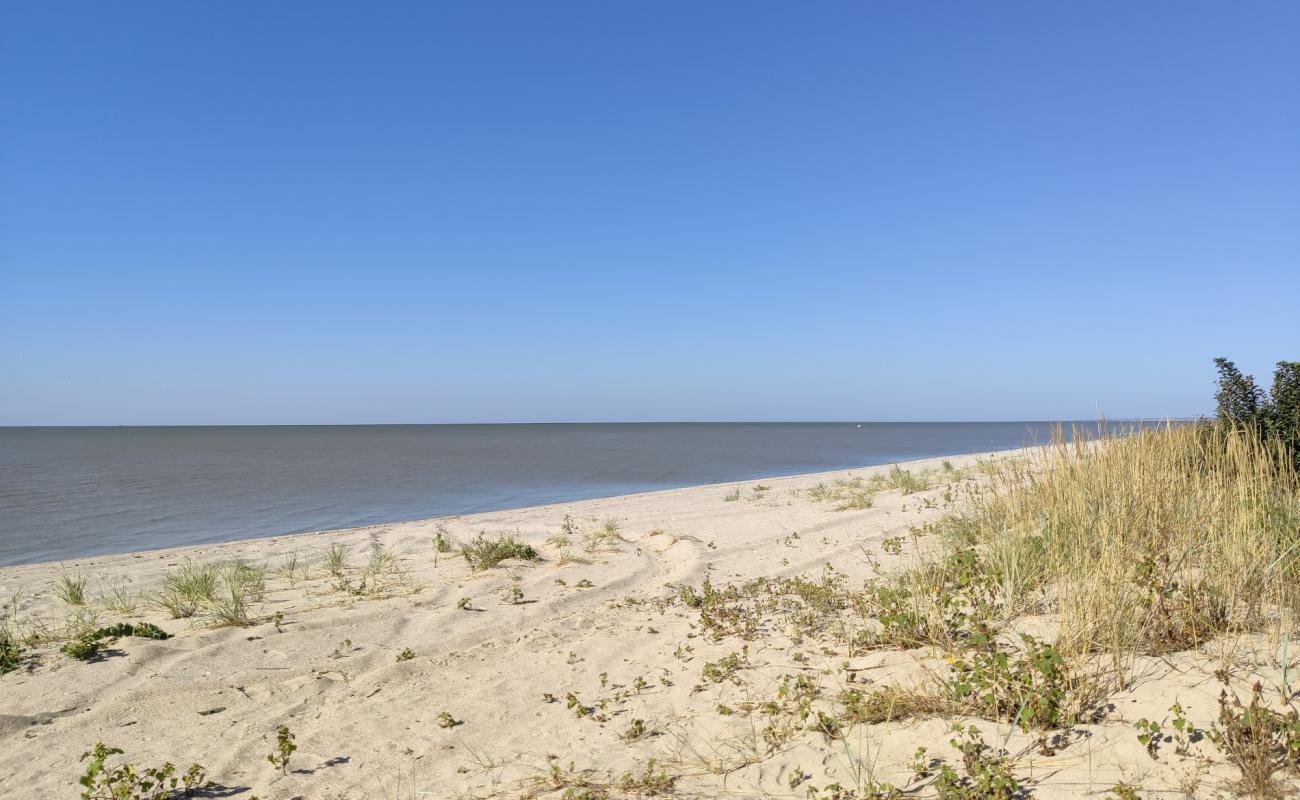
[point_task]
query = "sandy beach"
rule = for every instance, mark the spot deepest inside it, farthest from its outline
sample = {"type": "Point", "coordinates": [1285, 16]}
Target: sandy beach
{"type": "Point", "coordinates": [579, 671]}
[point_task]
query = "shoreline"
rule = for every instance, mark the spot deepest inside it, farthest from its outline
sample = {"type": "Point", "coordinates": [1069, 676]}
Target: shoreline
{"type": "Point", "coordinates": [192, 549]}
{"type": "Point", "coordinates": [403, 671]}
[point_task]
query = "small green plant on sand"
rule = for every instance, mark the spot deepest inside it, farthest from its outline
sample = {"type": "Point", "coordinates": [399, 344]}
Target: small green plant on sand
{"type": "Point", "coordinates": [635, 730]}
{"type": "Point", "coordinates": [463, 604]}
{"type": "Point", "coordinates": [72, 589]}
{"type": "Point", "coordinates": [514, 595]}
{"type": "Point", "coordinates": [406, 655]}
{"type": "Point", "coordinates": [84, 647]}
{"type": "Point", "coordinates": [336, 559]}
{"type": "Point", "coordinates": [484, 551]}
{"type": "Point", "coordinates": [10, 651]}
{"type": "Point", "coordinates": [102, 781]}
{"type": "Point", "coordinates": [446, 720]}
{"type": "Point", "coordinates": [1149, 736]}
{"type": "Point", "coordinates": [732, 496]}
{"type": "Point", "coordinates": [284, 748]}
{"type": "Point", "coordinates": [986, 774]}
{"type": "Point", "coordinates": [1257, 740]}
{"type": "Point", "coordinates": [442, 541]}
{"type": "Point", "coordinates": [1123, 791]}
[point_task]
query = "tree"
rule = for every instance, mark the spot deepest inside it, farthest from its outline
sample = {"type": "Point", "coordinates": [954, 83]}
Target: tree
{"type": "Point", "coordinates": [1275, 415]}
{"type": "Point", "coordinates": [1238, 397]}
{"type": "Point", "coordinates": [1284, 406]}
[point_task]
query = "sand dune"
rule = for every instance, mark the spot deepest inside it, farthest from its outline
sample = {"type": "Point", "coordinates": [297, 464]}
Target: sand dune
{"type": "Point", "coordinates": [327, 660]}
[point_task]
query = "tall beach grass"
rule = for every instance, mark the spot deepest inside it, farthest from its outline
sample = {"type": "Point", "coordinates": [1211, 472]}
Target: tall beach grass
{"type": "Point", "coordinates": [1145, 541]}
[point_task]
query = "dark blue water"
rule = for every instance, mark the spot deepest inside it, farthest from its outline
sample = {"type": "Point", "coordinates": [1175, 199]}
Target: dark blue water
{"type": "Point", "coordinates": [73, 492]}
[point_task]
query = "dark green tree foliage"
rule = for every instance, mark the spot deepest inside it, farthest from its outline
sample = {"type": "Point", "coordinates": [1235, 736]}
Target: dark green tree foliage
{"type": "Point", "coordinates": [1284, 407]}
{"type": "Point", "coordinates": [1238, 396]}
{"type": "Point", "coordinates": [1277, 415]}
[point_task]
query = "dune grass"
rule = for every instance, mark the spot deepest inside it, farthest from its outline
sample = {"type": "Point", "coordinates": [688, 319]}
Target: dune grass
{"type": "Point", "coordinates": [486, 551]}
{"type": "Point", "coordinates": [71, 589]}
{"type": "Point", "coordinates": [1152, 541]}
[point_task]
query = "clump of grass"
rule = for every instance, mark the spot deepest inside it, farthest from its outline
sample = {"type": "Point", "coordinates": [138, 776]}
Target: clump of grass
{"type": "Point", "coordinates": [120, 599]}
{"type": "Point", "coordinates": [71, 589]}
{"type": "Point", "coordinates": [484, 551]}
{"type": "Point", "coordinates": [1150, 542]}
{"type": "Point", "coordinates": [294, 569]}
{"type": "Point", "coordinates": [336, 559]}
{"type": "Point", "coordinates": [906, 480]}
{"type": "Point", "coordinates": [188, 588]}
{"type": "Point", "coordinates": [732, 496]}
{"type": "Point", "coordinates": [442, 542]}
{"type": "Point", "coordinates": [606, 536]}
{"type": "Point", "coordinates": [847, 493]}
{"type": "Point", "coordinates": [11, 652]}
{"type": "Point", "coordinates": [230, 609]}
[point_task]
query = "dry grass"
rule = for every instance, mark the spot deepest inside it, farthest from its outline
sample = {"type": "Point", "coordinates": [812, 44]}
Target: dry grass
{"type": "Point", "coordinates": [1149, 542]}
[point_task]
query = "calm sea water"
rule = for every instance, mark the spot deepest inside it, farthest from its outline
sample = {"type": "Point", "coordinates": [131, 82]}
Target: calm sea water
{"type": "Point", "coordinates": [74, 492]}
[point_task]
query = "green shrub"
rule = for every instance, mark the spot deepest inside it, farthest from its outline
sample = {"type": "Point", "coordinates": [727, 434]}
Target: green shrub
{"type": "Point", "coordinates": [10, 652]}
{"type": "Point", "coordinates": [143, 630]}
{"type": "Point", "coordinates": [83, 648]}
{"type": "Point", "coordinates": [484, 552]}
{"type": "Point", "coordinates": [1275, 415]}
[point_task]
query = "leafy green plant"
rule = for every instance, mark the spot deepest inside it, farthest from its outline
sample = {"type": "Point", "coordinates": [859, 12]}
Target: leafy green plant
{"type": "Point", "coordinates": [446, 720]}
{"type": "Point", "coordinates": [514, 595]}
{"type": "Point", "coordinates": [635, 730]}
{"type": "Point", "coordinates": [85, 647]}
{"type": "Point", "coordinates": [484, 552]}
{"type": "Point", "coordinates": [406, 655]}
{"type": "Point", "coordinates": [101, 781]}
{"type": "Point", "coordinates": [1256, 739]}
{"type": "Point", "coordinates": [1150, 736]}
{"type": "Point", "coordinates": [1030, 690]}
{"type": "Point", "coordinates": [284, 747]}
{"type": "Point", "coordinates": [986, 773]}
{"type": "Point", "coordinates": [725, 668]}
{"type": "Point", "coordinates": [10, 651]}
{"type": "Point", "coordinates": [142, 630]}
{"type": "Point", "coordinates": [463, 604]}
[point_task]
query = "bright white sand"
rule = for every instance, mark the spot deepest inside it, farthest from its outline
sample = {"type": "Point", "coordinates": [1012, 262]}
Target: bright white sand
{"type": "Point", "coordinates": [366, 724]}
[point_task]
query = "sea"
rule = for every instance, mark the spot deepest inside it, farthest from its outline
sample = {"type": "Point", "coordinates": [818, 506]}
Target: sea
{"type": "Point", "coordinates": [74, 492]}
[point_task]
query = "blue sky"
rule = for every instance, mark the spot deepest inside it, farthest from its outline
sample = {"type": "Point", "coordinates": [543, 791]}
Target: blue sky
{"type": "Point", "coordinates": [314, 212]}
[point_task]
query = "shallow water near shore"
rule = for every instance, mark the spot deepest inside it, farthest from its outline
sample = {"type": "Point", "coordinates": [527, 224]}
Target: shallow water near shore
{"type": "Point", "coordinates": [75, 492]}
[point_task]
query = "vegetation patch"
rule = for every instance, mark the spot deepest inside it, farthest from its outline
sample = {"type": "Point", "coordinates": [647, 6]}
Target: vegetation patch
{"type": "Point", "coordinates": [485, 551]}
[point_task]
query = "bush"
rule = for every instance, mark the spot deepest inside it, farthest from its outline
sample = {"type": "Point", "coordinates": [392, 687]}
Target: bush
{"type": "Point", "coordinates": [1275, 415]}
{"type": "Point", "coordinates": [10, 652]}
{"type": "Point", "coordinates": [484, 552]}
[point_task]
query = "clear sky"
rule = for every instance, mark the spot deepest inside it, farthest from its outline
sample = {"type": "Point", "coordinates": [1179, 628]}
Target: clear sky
{"type": "Point", "coordinates": [317, 212]}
